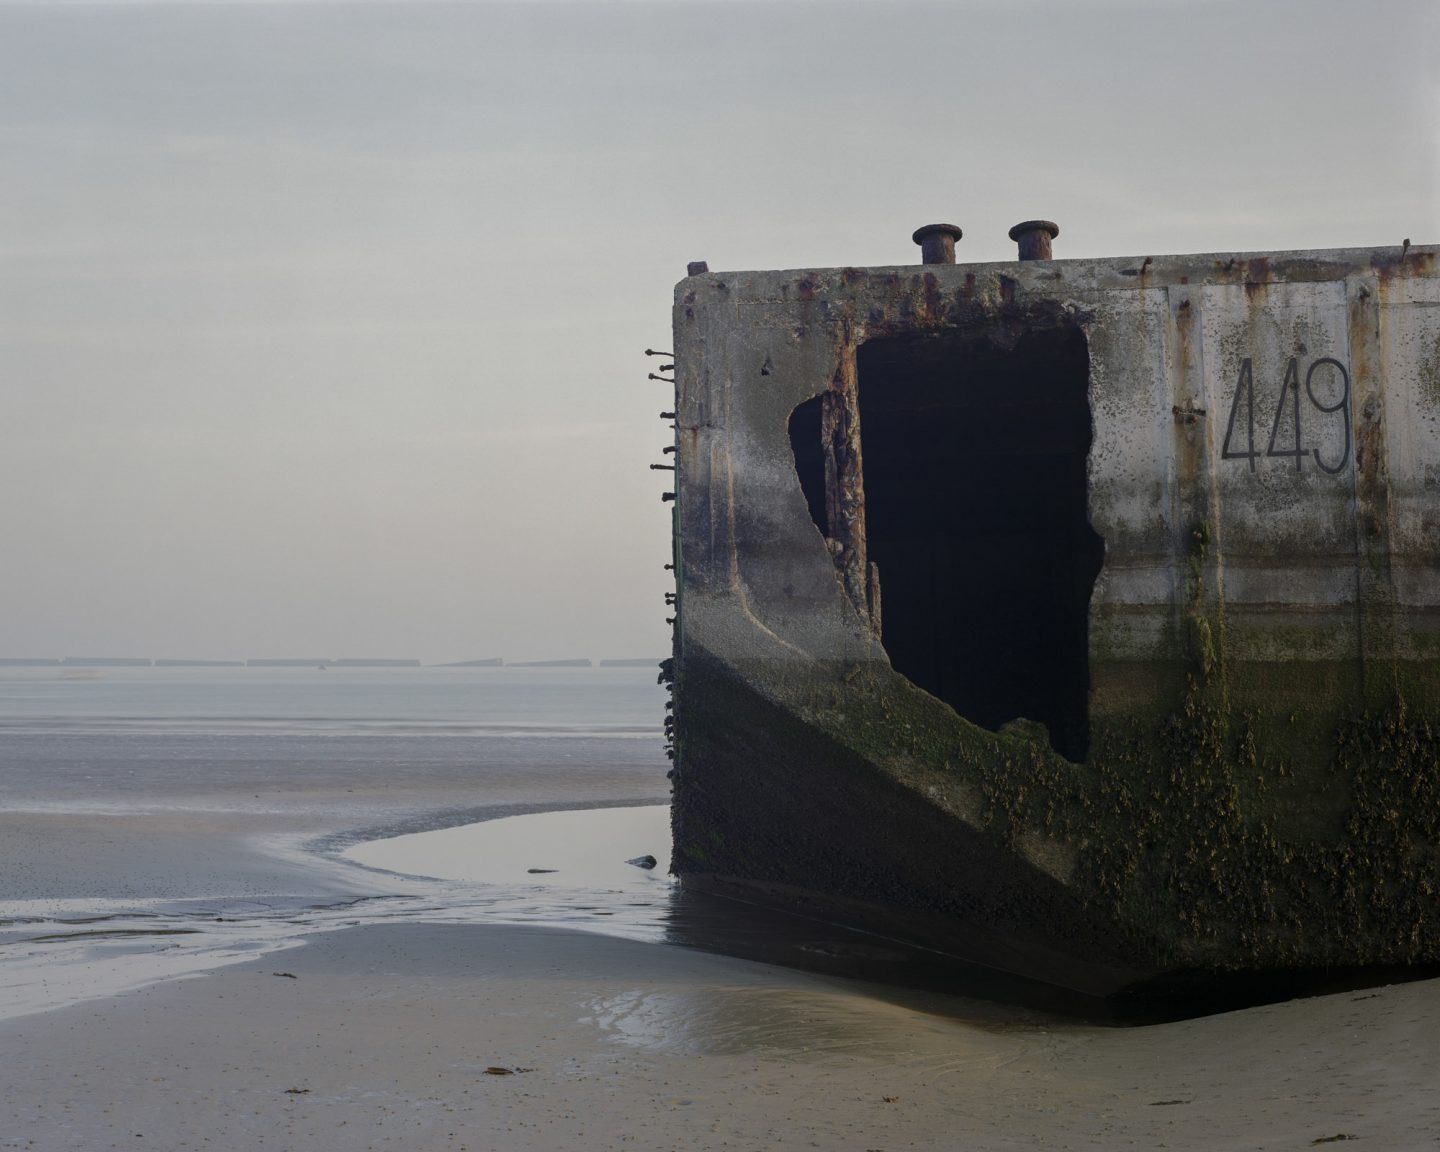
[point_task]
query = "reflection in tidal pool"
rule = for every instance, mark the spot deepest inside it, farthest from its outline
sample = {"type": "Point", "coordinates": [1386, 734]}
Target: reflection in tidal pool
{"type": "Point", "coordinates": [584, 849]}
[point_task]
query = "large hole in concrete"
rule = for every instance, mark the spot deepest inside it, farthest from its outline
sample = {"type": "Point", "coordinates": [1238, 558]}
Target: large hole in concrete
{"type": "Point", "coordinates": [975, 511]}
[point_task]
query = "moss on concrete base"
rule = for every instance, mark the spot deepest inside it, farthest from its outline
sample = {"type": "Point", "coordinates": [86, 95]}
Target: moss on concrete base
{"type": "Point", "coordinates": [1201, 835]}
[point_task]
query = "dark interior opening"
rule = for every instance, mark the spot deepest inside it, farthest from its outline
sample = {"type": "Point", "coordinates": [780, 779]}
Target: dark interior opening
{"type": "Point", "coordinates": [974, 461]}
{"type": "Point", "coordinates": [810, 459]}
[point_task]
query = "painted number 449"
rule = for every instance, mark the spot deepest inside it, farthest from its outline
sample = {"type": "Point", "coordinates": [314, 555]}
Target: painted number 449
{"type": "Point", "coordinates": [1321, 381]}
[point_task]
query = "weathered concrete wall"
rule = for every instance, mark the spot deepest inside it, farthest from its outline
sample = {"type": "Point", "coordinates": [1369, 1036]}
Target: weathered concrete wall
{"type": "Point", "coordinates": [1261, 788]}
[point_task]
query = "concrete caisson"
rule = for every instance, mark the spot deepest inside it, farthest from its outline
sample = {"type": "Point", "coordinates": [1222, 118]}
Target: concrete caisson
{"type": "Point", "coordinates": [1079, 616]}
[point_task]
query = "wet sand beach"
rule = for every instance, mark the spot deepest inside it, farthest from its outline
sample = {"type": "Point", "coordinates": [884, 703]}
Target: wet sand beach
{"type": "Point", "coordinates": [391, 1037]}
{"type": "Point", "coordinates": [157, 823]}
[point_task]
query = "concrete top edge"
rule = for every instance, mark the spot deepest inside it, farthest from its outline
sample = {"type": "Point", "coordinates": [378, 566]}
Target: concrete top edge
{"type": "Point", "coordinates": [1114, 271]}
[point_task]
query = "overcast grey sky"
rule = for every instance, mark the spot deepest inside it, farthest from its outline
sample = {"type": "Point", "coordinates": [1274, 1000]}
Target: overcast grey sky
{"type": "Point", "coordinates": [321, 323]}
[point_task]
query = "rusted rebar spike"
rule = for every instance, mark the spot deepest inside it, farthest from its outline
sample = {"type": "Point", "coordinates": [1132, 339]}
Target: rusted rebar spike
{"type": "Point", "coordinates": [662, 467]}
{"type": "Point", "coordinates": [1033, 237]}
{"type": "Point", "coordinates": [653, 352]}
{"type": "Point", "coordinates": [667, 415]}
{"type": "Point", "coordinates": [845, 476]}
{"type": "Point", "coordinates": [937, 243]}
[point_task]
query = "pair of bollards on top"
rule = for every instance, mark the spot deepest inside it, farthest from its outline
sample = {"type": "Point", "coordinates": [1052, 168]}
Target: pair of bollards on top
{"type": "Point", "coordinates": [937, 241]}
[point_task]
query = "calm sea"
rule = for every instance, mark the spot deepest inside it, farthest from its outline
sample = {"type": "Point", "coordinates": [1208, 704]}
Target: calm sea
{"type": "Point", "coordinates": [514, 701]}
{"type": "Point", "coordinates": [187, 737]}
